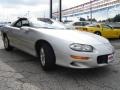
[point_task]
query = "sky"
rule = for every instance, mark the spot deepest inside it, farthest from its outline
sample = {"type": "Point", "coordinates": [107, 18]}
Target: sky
{"type": "Point", "coordinates": [11, 9]}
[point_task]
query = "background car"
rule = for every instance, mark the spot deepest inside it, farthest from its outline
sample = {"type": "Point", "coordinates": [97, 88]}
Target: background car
{"type": "Point", "coordinates": [4, 23]}
{"type": "Point", "coordinates": [55, 44]}
{"type": "Point", "coordinates": [108, 30]}
{"type": "Point", "coordinates": [77, 24]}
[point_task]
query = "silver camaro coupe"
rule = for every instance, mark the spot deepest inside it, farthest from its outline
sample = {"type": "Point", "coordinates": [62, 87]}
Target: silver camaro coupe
{"type": "Point", "coordinates": [55, 44]}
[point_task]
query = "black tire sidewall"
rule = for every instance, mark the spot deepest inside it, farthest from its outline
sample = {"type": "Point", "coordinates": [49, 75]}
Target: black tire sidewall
{"type": "Point", "coordinates": [98, 33]}
{"type": "Point", "coordinates": [49, 57]}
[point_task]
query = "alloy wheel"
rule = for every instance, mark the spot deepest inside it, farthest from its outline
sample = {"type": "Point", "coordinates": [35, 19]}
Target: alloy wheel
{"type": "Point", "coordinates": [6, 43]}
{"type": "Point", "coordinates": [42, 56]}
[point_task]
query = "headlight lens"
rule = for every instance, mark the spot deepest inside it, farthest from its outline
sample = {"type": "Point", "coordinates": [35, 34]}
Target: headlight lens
{"type": "Point", "coordinates": [81, 47]}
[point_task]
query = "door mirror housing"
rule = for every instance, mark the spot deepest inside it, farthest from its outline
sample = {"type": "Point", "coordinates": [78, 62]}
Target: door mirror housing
{"type": "Point", "coordinates": [112, 27]}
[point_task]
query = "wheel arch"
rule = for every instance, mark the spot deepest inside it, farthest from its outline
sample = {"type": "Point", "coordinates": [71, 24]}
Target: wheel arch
{"type": "Point", "coordinates": [4, 34]}
{"type": "Point", "coordinates": [40, 42]}
{"type": "Point", "coordinates": [98, 32]}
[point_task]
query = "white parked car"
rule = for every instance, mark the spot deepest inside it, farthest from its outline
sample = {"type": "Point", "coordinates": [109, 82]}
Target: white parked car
{"type": "Point", "coordinates": [77, 24]}
{"type": "Point", "coordinates": [54, 44]}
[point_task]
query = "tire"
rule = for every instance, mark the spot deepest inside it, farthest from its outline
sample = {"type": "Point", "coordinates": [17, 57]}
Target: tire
{"type": "Point", "coordinates": [47, 57]}
{"type": "Point", "coordinates": [98, 33]}
{"type": "Point", "coordinates": [7, 43]}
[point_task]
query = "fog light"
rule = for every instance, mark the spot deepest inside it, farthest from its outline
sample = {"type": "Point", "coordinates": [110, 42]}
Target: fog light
{"type": "Point", "coordinates": [79, 57]}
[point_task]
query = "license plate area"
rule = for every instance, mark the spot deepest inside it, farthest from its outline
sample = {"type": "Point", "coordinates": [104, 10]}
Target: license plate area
{"type": "Point", "coordinates": [110, 58]}
{"type": "Point", "coordinates": [104, 59]}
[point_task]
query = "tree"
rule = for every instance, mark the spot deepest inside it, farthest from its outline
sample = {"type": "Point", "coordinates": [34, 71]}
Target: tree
{"type": "Point", "coordinates": [116, 18]}
{"type": "Point", "coordinates": [92, 19]}
{"type": "Point", "coordinates": [110, 20]}
{"type": "Point", "coordinates": [82, 19]}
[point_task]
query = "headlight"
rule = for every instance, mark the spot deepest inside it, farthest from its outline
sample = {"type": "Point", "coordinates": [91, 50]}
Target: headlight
{"type": "Point", "coordinates": [81, 47]}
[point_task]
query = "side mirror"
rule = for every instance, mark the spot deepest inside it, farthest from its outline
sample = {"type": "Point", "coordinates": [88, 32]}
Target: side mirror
{"type": "Point", "coordinates": [112, 27]}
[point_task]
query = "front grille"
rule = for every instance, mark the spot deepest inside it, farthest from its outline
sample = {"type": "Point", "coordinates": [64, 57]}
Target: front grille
{"type": "Point", "coordinates": [102, 59]}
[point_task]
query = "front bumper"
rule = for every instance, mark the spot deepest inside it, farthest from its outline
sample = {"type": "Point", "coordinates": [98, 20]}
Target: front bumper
{"type": "Point", "coordinates": [93, 62]}
{"type": "Point", "coordinates": [101, 56]}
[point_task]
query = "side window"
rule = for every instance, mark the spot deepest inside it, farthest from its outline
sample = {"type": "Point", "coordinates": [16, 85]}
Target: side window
{"type": "Point", "coordinates": [85, 23]}
{"type": "Point", "coordinates": [18, 24]}
{"type": "Point", "coordinates": [77, 24]}
{"type": "Point", "coordinates": [106, 26]}
{"type": "Point", "coordinates": [74, 24]}
{"type": "Point", "coordinates": [25, 23]}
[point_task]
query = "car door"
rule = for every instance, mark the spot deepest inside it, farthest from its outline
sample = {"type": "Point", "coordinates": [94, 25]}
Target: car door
{"type": "Point", "coordinates": [108, 31]}
{"type": "Point", "coordinates": [77, 25]}
{"type": "Point", "coordinates": [14, 34]}
{"type": "Point", "coordinates": [27, 37]}
{"type": "Point", "coordinates": [21, 36]}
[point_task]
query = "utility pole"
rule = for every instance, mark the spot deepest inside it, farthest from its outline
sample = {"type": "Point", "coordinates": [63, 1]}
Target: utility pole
{"type": "Point", "coordinates": [91, 11]}
{"type": "Point", "coordinates": [60, 10]}
{"type": "Point", "coordinates": [50, 8]}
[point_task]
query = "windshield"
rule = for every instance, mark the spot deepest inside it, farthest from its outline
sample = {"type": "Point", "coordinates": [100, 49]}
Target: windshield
{"type": "Point", "coordinates": [49, 24]}
{"type": "Point", "coordinates": [114, 25]}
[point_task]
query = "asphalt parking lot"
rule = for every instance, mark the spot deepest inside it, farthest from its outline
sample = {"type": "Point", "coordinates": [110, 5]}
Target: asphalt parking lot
{"type": "Point", "coordinates": [20, 71]}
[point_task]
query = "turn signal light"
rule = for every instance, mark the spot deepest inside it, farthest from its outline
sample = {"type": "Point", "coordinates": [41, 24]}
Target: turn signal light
{"type": "Point", "coordinates": [79, 57]}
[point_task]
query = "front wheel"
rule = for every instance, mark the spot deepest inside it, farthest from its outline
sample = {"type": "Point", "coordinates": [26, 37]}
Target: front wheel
{"type": "Point", "coordinates": [98, 33]}
{"type": "Point", "coordinates": [7, 44]}
{"type": "Point", "coordinates": [47, 57]}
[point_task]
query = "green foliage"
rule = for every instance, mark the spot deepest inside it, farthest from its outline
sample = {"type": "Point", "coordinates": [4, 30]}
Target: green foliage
{"type": "Point", "coordinates": [82, 19]}
{"type": "Point", "coordinates": [110, 20]}
{"type": "Point", "coordinates": [92, 19]}
{"type": "Point", "coordinates": [116, 18]}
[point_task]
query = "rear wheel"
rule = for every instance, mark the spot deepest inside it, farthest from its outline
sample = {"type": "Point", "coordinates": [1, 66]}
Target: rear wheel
{"type": "Point", "coordinates": [98, 33]}
{"type": "Point", "coordinates": [47, 57]}
{"type": "Point", "coordinates": [7, 43]}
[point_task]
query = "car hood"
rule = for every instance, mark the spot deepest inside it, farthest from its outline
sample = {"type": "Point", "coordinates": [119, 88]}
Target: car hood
{"type": "Point", "coordinates": [76, 36]}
